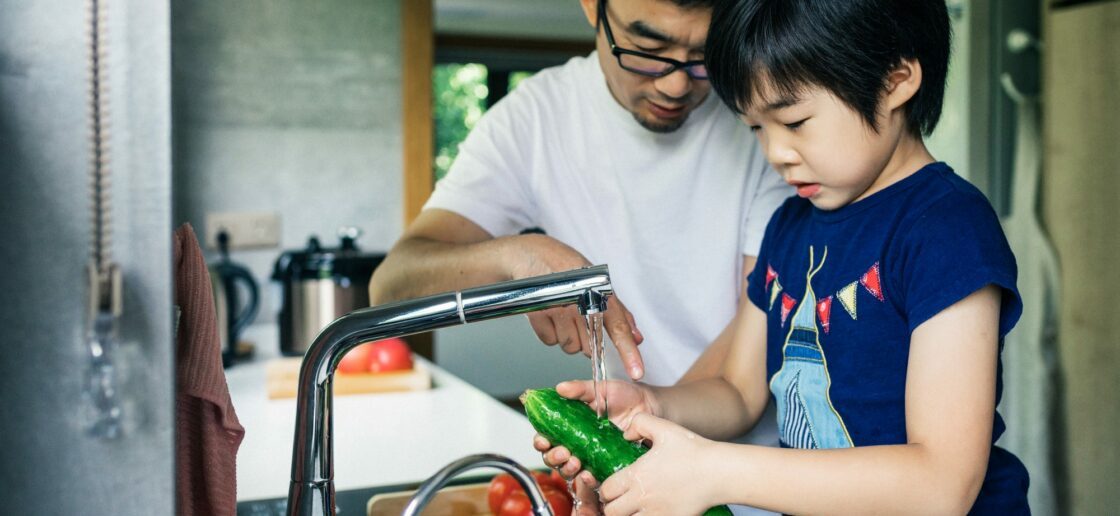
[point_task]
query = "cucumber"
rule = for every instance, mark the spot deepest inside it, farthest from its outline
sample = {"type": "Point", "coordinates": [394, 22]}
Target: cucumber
{"type": "Point", "coordinates": [597, 442]}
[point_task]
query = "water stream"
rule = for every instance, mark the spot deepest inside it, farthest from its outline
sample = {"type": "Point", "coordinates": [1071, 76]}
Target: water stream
{"type": "Point", "coordinates": [598, 364]}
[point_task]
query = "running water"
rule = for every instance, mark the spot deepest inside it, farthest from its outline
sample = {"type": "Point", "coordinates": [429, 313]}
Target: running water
{"type": "Point", "coordinates": [598, 365]}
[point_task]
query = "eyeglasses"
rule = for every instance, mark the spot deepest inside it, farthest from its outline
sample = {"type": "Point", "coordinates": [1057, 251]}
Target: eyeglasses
{"type": "Point", "coordinates": [645, 64]}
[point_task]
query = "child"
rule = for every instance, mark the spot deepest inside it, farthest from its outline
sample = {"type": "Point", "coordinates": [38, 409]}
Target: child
{"type": "Point", "coordinates": [880, 298]}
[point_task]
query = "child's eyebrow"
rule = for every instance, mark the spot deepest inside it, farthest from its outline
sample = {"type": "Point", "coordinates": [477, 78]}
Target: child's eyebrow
{"type": "Point", "coordinates": [781, 103]}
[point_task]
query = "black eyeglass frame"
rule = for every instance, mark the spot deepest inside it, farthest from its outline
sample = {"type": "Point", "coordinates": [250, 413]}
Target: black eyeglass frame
{"type": "Point", "coordinates": [618, 51]}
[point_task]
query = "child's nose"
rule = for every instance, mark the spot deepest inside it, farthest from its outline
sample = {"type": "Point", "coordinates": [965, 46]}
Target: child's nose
{"type": "Point", "coordinates": [779, 152]}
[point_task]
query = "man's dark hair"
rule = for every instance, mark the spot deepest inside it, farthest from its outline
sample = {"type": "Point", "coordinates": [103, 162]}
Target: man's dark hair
{"type": "Point", "coordinates": [847, 47]}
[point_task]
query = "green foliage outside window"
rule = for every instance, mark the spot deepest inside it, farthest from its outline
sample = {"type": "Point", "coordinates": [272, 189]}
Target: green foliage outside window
{"type": "Point", "coordinates": [460, 93]}
{"type": "Point", "coordinates": [460, 99]}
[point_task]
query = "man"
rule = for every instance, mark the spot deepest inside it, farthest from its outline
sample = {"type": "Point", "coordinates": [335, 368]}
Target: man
{"type": "Point", "coordinates": [624, 158]}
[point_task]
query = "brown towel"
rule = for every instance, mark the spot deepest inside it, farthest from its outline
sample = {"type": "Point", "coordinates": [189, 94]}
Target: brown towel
{"type": "Point", "coordinates": [207, 432]}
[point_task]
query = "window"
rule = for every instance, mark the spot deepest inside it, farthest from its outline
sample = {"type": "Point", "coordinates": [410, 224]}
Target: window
{"type": "Point", "coordinates": [472, 74]}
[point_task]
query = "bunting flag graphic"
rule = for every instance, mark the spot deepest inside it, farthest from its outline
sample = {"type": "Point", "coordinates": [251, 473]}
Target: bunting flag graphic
{"type": "Point", "coordinates": [770, 275]}
{"type": "Point", "coordinates": [847, 297]}
{"type": "Point", "coordinates": [774, 293]}
{"type": "Point", "coordinates": [824, 308]}
{"type": "Point", "coordinates": [870, 281]}
{"type": "Point", "coordinates": [787, 304]}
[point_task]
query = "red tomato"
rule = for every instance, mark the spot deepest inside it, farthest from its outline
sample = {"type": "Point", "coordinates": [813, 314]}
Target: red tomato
{"type": "Point", "coordinates": [559, 500]}
{"type": "Point", "coordinates": [356, 360]}
{"type": "Point", "coordinates": [390, 355]}
{"type": "Point", "coordinates": [516, 504]}
{"type": "Point", "coordinates": [552, 479]}
{"type": "Point", "coordinates": [506, 497]}
{"type": "Point", "coordinates": [500, 487]}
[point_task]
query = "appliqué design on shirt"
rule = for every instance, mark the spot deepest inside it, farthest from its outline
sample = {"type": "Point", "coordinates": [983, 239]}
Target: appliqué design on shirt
{"type": "Point", "coordinates": [806, 416]}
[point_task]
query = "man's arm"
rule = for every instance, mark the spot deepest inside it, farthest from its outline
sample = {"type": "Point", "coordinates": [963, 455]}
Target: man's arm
{"type": "Point", "coordinates": [443, 251]}
{"type": "Point", "coordinates": [710, 363]}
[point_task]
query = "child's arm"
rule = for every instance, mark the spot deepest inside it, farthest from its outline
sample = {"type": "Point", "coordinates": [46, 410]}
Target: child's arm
{"type": "Point", "coordinates": [731, 403]}
{"type": "Point", "coordinates": [950, 398]}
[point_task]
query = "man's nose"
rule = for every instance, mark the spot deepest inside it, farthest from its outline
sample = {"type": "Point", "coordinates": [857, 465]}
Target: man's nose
{"type": "Point", "coordinates": [676, 85]}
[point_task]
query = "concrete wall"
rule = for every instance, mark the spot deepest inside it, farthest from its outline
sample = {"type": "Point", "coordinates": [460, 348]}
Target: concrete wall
{"type": "Point", "coordinates": [289, 107]}
{"type": "Point", "coordinates": [48, 465]}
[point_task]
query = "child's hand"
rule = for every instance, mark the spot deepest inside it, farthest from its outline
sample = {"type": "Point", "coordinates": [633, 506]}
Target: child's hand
{"type": "Point", "coordinates": [669, 479]}
{"type": "Point", "coordinates": [625, 400]}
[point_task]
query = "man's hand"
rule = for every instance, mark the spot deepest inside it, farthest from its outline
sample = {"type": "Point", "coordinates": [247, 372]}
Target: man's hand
{"type": "Point", "coordinates": [565, 326]}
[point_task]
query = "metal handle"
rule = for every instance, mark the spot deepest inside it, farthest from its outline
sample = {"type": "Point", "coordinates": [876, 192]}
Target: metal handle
{"type": "Point", "coordinates": [487, 460]}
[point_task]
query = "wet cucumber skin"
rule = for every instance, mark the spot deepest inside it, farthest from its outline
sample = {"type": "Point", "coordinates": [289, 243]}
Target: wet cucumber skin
{"type": "Point", "coordinates": [599, 444]}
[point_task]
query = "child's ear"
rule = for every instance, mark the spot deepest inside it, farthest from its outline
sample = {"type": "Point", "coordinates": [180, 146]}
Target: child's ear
{"type": "Point", "coordinates": [903, 82]}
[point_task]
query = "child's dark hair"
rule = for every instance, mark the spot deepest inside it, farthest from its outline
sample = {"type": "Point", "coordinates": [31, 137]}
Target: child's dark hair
{"type": "Point", "coordinates": [847, 47]}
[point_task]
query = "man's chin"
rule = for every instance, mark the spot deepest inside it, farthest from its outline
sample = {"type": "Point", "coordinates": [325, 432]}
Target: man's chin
{"type": "Point", "coordinates": [660, 125]}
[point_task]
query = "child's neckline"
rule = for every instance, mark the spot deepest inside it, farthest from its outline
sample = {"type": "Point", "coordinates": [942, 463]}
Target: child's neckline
{"type": "Point", "coordinates": [881, 196]}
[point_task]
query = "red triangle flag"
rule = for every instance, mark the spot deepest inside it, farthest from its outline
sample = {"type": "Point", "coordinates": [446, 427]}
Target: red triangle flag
{"type": "Point", "coordinates": [870, 281]}
{"type": "Point", "coordinates": [770, 275]}
{"type": "Point", "coordinates": [824, 308]}
{"type": "Point", "coordinates": [787, 305]}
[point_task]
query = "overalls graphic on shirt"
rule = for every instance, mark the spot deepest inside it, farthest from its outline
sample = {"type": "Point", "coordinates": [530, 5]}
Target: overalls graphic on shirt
{"type": "Point", "coordinates": [806, 417]}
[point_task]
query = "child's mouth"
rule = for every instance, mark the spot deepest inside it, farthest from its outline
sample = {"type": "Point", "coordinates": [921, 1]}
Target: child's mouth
{"type": "Point", "coordinates": [807, 190]}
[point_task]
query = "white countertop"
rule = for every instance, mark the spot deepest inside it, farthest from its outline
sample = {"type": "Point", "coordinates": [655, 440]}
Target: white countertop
{"type": "Point", "coordinates": [380, 439]}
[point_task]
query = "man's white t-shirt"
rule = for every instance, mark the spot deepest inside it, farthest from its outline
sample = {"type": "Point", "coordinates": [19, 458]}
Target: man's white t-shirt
{"type": "Point", "coordinates": [671, 214]}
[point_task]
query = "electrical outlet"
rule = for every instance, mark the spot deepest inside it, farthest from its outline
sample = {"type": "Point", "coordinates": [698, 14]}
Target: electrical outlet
{"type": "Point", "coordinates": [245, 229]}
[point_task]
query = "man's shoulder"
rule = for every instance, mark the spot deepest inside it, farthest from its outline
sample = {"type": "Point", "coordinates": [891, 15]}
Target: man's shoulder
{"type": "Point", "coordinates": [555, 83]}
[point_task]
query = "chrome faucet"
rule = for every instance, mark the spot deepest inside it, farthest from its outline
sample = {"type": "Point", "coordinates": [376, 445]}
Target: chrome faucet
{"type": "Point", "coordinates": [487, 460]}
{"type": "Point", "coordinates": [311, 491]}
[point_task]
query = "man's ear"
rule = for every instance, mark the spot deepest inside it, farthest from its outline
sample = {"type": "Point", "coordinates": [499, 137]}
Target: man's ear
{"type": "Point", "coordinates": [903, 82]}
{"type": "Point", "coordinates": [591, 11]}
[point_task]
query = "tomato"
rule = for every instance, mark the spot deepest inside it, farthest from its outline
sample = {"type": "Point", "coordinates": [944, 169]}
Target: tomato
{"type": "Point", "coordinates": [390, 355]}
{"type": "Point", "coordinates": [552, 479]}
{"type": "Point", "coordinates": [377, 357]}
{"type": "Point", "coordinates": [506, 498]}
{"type": "Point", "coordinates": [356, 360]}
{"type": "Point", "coordinates": [516, 504]}
{"type": "Point", "coordinates": [559, 500]}
{"type": "Point", "coordinates": [500, 487]}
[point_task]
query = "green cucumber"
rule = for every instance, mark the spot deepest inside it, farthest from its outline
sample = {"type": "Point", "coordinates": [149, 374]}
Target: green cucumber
{"type": "Point", "coordinates": [597, 443]}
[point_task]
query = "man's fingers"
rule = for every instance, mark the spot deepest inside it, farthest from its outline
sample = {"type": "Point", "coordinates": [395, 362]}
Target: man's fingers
{"type": "Point", "coordinates": [568, 332]}
{"type": "Point", "coordinates": [618, 327]}
{"type": "Point", "coordinates": [544, 327]}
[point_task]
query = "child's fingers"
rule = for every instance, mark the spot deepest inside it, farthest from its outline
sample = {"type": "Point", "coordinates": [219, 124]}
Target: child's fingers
{"type": "Point", "coordinates": [576, 390]}
{"type": "Point", "coordinates": [541, 444]}
{"type": "Point", "coordinates": [643, 426]}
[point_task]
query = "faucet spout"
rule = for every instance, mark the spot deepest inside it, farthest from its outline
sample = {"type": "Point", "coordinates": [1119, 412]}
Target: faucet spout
{"type": "Point", "coordinates": [311, 491]}
{"type": "Point", "coordinates": [429, 487]}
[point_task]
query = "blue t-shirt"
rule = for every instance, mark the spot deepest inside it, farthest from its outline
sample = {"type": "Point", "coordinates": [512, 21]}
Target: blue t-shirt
{"type": "Point", "coordinates": [837, 348]}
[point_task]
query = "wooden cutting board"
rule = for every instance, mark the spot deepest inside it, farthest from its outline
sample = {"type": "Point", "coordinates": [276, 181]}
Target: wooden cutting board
{"type": "Point", "coordinates": [282, 375]}
{"type": "Point", "coordinates": [466, 500]}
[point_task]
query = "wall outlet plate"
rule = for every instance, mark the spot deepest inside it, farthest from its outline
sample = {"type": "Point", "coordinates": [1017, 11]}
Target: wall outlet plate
{"type": "Point", "coordinates": [247, 230]}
